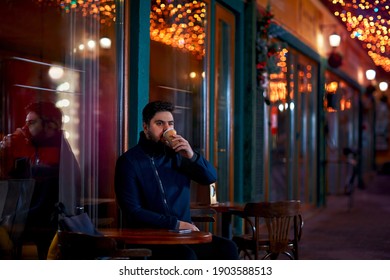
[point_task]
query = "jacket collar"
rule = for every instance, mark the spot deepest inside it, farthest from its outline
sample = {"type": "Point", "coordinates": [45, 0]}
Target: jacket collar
{"type": "Point", "coordinates": [150, 147]}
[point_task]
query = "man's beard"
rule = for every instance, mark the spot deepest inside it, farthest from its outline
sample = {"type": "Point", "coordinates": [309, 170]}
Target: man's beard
{"type": "Point", "coordinates": [44, 140]}
{"type": "Point", "coordinates": [151, 137]}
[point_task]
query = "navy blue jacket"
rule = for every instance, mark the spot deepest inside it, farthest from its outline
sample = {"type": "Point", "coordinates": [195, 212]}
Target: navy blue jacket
{"type": "Point", "coordinates": [152, 184]}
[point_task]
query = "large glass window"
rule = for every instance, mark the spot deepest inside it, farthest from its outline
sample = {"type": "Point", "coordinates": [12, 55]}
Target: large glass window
{"type": "Point", "coordinates": [62, 53]}
{"type": "Point", "coordinates": [178, 64]}
{"type": "Point", "coordinates": [341, 105]}
{"type": "Point", "coordinates": [178, 73]}
{"type": "Point", "coordinates": [292, 127]}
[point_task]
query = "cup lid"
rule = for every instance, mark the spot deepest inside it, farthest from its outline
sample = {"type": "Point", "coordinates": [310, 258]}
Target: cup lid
{"type": "Point", "coordinates": [169, 129]}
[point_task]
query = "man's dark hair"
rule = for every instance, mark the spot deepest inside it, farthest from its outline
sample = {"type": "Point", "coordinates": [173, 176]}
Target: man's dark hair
{"type": "Point", "coordinates": [154, 107]}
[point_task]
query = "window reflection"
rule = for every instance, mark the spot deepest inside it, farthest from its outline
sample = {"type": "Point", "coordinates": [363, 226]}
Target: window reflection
{"type": "Point", "coordinates": [341, 128]}
{"type": "Point", "coordinates": [177, 63]}
{"type": "Point", "coordinates": [292, 125]}
{"type": "Point", "coordinates": [56, 51]}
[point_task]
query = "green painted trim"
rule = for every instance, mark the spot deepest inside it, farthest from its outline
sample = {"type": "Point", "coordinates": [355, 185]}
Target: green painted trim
{"type": "Point", "coordinates": [139, 66]}
{"type": "Point", "coordinates": [291, 40]}
{"type": "Point", "coordinates": [344, 76]}
{"type": "Point", "coordinates": [360, 141]}
{"type": "Point", "coordinates": [321, 141]}
{"type": "Point", "coordinates": [235, 5]}
{"type": "Point", "coordinates": [239, 107]}
{"type": "Point", "coordinates": [252, 143]}
{"type": "Point", "coordinates": [295, 134]}
{"type": "Point", "coordinates": [211, 93]}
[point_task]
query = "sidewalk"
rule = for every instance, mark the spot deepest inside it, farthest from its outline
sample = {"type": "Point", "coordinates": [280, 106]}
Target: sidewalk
{"type": "Point", "coordinates": [362, 233]}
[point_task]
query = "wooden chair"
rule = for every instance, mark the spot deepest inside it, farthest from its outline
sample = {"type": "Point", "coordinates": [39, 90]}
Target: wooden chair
{"type": "Point", "coordinates": [280, 235]}
{"type": "Point", "coordinates": [201, 197]}
{"type": "Point", "coordinates": [81, 246]}
{"type": "Point", "coordinates": [202, 217]}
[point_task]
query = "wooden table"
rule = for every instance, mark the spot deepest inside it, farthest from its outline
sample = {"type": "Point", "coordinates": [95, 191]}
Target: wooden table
{"type": "Point", "coordinates": [226, 209]}
{"type": "Point", "coordinates": [157, 236]}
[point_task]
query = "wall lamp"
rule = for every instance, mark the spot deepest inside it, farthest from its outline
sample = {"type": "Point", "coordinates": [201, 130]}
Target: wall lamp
{"type": "Point", "coordinates": [335, 59]}
{"type": "Point", "coordinates": [334, 40]}
{"type": "Point", "coordinates": [370, 74]}
{"type": "Point", "coordinates": [383, 86]}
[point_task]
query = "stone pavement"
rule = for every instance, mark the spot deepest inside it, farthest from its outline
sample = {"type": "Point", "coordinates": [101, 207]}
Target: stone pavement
{"type": "Point", "coordinates": [361, 233]}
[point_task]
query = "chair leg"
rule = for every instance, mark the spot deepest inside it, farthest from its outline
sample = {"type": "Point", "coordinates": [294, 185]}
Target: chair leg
{"type": "Point", "coordinates": [291, 257]}
{"type": "Point", "coordinates": [274, 256]}
{"type": "Point", "coordinates": [245, 254]}
{"type": "Point", "coordinates": [256, 254]}
{"type": "Point", "coordinates": [266, 256]}
{"type": "Point", "coordinates": [295, 253]}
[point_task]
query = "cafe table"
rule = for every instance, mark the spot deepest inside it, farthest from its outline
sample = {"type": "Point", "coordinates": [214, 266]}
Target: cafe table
{"type": "Point", "coordinates": [226, 209]}
{"type": "Point", "coordinates": [157, 236]}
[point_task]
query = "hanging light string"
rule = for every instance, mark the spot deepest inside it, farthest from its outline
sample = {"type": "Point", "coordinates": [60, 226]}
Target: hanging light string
{"type": "Point", "coordinates": [367, 21]}
{"type": "Point", "coordinates": [177, 23]}
{"type": "Point", "coordinates": [102, 10]}
{"type": "Point", "coordinates": [180, 24]}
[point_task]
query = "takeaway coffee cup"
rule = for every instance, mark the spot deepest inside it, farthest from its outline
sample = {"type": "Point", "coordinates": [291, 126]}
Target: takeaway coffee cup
{"type": "Point", "coordinates": [168, 135]}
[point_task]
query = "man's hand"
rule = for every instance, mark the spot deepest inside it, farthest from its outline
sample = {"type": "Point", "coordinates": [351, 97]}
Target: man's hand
{"type": "Point", "coordinates": [18, 136]}
{"type": "Point", "coordinates": [185, 225]}
{"type": "Point", "coordinates": [181, 145]}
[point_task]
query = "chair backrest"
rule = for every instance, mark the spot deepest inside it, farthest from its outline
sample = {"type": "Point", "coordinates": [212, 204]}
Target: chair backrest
{"type": "Point", "coordinates": [203, 214]}
{"type": "Point", "coordinates": [281, 219]}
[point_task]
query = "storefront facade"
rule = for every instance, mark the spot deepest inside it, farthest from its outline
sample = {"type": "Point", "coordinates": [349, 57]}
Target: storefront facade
{"type": "Point", "coordinates": [101, 63]}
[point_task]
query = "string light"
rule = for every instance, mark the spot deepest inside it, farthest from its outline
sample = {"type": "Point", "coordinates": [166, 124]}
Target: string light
{"type": "Point", "coordinates": [367, 21]}
{"type": "Point", "coordinates": [103, 10]}
{"type": "Point", "coordinates": [177, 23]}
{"type": "Point", "coordinates": [180, 24]}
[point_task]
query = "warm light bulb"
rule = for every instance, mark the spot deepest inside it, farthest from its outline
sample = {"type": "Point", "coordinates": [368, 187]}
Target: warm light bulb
{"type": "Point", "coordinates": [370, 74]}
{"type": "Point", "coordinates": [334, 40]}
{"type": "Point", "coordinates": [383, 86]}
{"type": "Point", "coordinates": [91, 44]}
{"type": "Point", "coordinates": [105, 42]}
{"type": "Point", "coordinates": [56, 72]}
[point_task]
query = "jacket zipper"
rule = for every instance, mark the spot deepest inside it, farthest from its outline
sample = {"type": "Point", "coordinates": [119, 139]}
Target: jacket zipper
{"type": "Point", "coordinates": [160, 184]}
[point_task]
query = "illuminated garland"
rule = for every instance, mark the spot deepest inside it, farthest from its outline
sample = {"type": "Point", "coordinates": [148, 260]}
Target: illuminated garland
{"type": "Point", "coordinates": [367, 21]}
{"type": "Point", "coordinates": [179, 24]}
{"type": "Point", "coordinates": [102, 10]}
{"type": "Point", "coordinates": [267, 52]}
